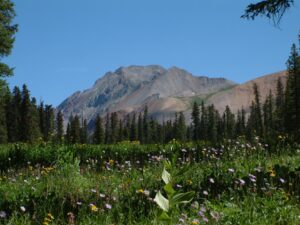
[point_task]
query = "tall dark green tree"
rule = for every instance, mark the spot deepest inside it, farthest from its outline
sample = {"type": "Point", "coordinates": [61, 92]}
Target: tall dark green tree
{"type": "Point", "coordinates": [49, 123]}
{"type": "Point", "coordinates": [75, 129]}
{"type": "Point", "coordinates": [7, 34]}
{"type": "Point", "coordinates": [59, 127]}
{"type": "Point", "coordinates": [29, 128]}
{"type": "Point", "coordinates": [114, 127]}
{"type": "Point", "coordinates": [3, 124]}
{"type": "Point", "coordinates": [41, 110]}
{"type": "Point", "coordinates": [146, 128]}
{"type": "Point", "coordinates": [196, 121]}
{"type": "Point", "coordinates": [292, 94]}
{"type": "Point", "coordinates": [228, 124]}
{"type": "Point", "coordinates": [268, 115]}
{"type": "Point", "coordinates": [279, 124]}
{"type": "Point", "coordinates": [133, 129]}
{"type": "Point", "coordinates": [107, 136]}
{"type": "Point", "coordinates": [213, 119]}
{"type": "Point", "coordinates": [98, 131]}
{"type": "Point", "coordinates": [203, 122]}
{"type": "Point", "coordinates": [255, 118]}
{"type": "Point", "coordinates": [240, 128]}
{"type": "Point", "coordinates": [140, 128]}
{"type": "Point", "coordinates": [84, 132]}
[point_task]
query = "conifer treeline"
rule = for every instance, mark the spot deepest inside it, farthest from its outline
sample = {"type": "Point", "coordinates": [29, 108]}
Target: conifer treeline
{"type": "Point", "coordinates": [22, 120]}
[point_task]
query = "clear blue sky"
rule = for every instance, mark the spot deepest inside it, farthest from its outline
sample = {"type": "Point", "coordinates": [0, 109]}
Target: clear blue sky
{"type": "Point", "coordinates": [65, 45]}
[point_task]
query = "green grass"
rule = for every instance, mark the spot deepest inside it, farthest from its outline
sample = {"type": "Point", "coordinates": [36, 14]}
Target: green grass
{"type": "Point", "coordinates": [61, 180]}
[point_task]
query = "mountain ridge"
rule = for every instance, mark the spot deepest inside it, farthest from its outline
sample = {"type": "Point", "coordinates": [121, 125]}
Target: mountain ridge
{"type": "Point", "coordinates": [164, 91]}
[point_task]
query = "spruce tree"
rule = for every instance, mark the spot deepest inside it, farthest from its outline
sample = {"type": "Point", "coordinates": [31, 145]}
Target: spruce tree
{"type": "Point", "coordinates": [59, 127]}
{"type": "Point", "coordinates": [3, 124]}
{"type": "Point", "coordinates": [133, 129]}
{"type": "Point", "coordinates": [107, 129]}
{"type": "Point", "coordinates": [42, 125]}
{"type": "Point", "coordinates": [140, 128]}
{"type": "Point", "coordinates": [181, 126]}
{"type": "Point", "coordinates": [29, 128]}
{"type": "Point", "coordinates": [212, 125]}
{"type": "Point", "coordinates": [84, 132]}
{"type": "Point", "coordinates": [196, 122]}
{"type": "Point", "coordinates": [7, 34]}
{"type": "Point", "coordinates": [292, 95]}
{"type": "Point", "coordinates": [49, 123]}
{"type": "Point", "coordinates": [228, 123]}
{"type": "Point", "coordinates": [203, 122]}
{"type": "Point", "coordinates": [98, 136]}
{"type": "Point", "coordinates": [279, 108]}
{"type": "Point", "coordinates": [268, 114]}
{"type": "Point", "coordinates": [114, 127]}
{"type": "Point", "coordinates": [146, 135]}
{"type": "Point", "coordinates": [75, 130]}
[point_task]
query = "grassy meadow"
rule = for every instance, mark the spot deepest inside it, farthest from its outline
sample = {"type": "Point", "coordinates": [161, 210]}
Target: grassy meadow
{"type": "Point", "coordinates": [236, 183]}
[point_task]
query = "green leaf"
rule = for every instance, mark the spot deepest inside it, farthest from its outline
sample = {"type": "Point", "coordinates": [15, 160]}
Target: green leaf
{"type": "Point", "coordinates": [183, 198]}
{"type": "Point", "coordinates": [166, 176]}
{"type": "Point", "coordinates": [162, 202]}
{"type": "Point", "coordinates": [169, 189]}
{"type": "Point", "coordinates": [182, 171]}
{"type": "Point", "coordinates": [167, 165]}
{"type": "Point", "coordinates": [164, 217]}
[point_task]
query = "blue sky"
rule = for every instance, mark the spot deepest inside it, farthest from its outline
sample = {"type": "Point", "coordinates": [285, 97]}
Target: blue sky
{"type": "Point", "coordinates": [65, 45]}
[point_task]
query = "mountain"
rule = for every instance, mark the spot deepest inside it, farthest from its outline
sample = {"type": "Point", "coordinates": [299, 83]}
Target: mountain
{"type": "Point", "coordinates": [164, 91]}
{"type": "Point", "coordinates": [129, 89]}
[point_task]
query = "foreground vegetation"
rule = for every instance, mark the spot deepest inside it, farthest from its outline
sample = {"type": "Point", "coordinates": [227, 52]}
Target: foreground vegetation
{"type": "Point", "coordinates": [236, 183]}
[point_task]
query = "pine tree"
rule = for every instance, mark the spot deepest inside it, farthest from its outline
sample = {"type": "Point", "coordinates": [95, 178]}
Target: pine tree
{"type": "Point", "coordinates": [203, 123]}
{"type": "Point", "coordinates": [7, 33]}
{"type": "Point", "coordinates": [140, 128]}
{"type": "Point", "coordinates": [107, 129]}
{"type": "Point", "coordinates": [49, 123]}
{"type": "Point", "coordinates": [114, 127]}
{"type": "Point", "coordinates": [68, 137]}
{"type": "Point", "coordinates": [84, 132]}
{"type": "Point", "coordinates": [14, 128]}
{"type": "Point", "coordinates": [98, 131]}
{"type": "Point", "coordinates": [59, 127]}
{"type": "Point", "coordinates": [146, 135]}
{"type": "Point", "coordinates": [3, 124]}
{"type": "Point", "coordinates": [196, 122]}
{"type": "Point", "coordinates": [181, 126]}
{"type": "Point", "coordinates": [75, 130]}
{"type": "Point", "coordinates": [279, 108]}
{"type": "Point", "coordinates": [256, 123]}
{"type": "Point", "coordinates": [120, 131]}
{"type": "Point", "coordinates": [240, 128]}
{"type": "Point", "coordinates": [42, 125]}
{"type": "Point", "coordinates": [228, 123]}
{"type": "Point", "coordinates": [292, 94]}
{"type": "Point", "coordinates": [212, 124]}
{"type": "Point", "coordinates": [29, 128]}
{"type": "Point", "coordinates": [133, 129]}
{"type": "Point", "coordinates": [268, 114]}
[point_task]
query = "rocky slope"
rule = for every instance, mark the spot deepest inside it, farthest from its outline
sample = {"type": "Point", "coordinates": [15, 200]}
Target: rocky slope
{"type": "Point", "coordinates": [129, 89]}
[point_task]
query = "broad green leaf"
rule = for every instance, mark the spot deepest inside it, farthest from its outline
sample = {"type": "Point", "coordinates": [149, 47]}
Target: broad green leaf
{"type": "Point", "coordinates": [166, 176]}
{"type": "Point", "coordinates": [183, 198]}
{"type": "Point", "coordinates": [169, 189]}
{"type": "Point", "coordinates": [162, 202]}
{"type": "Point", "coordinates": [164, 217]}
